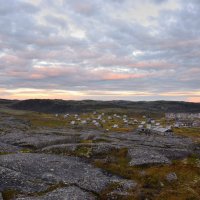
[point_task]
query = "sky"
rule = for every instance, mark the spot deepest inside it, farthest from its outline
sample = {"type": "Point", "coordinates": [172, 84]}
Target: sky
{"type": "Point", "coordinates": [100, 49]}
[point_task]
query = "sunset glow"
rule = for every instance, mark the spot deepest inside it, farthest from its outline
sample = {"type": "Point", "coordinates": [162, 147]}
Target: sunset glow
{"type": "Point", "coordinates": [105, 50]}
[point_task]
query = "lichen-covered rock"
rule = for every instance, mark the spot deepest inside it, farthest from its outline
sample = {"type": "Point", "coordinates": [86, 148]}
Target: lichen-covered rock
{"type": "Point", "coordinates": [171, 177]}
{"type": "Point", "coordinates": [62, 148]}
{"type": "Point", "coordinates": [103, 148]}
{"type": "Point", "coordinates": [123, 189]}
{"type": "Point", "coordinates": [37, 140]}
{"type": "Point", "coordinates": [69, 193]}
{"type": "Point", "coordinates": [7, 148]}
{"type": "Point", "coordinates": [144, 156]}
{"type": "Point", "coordinates": [51, 169]}
{"type": "Point", "coordinates": [95, 148]}
{"type": "Point", "coordinates": [15, 179]}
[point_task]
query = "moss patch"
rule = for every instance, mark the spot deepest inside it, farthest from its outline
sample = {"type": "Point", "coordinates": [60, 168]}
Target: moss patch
{"type": "Point", "coordinates": [83, 151]}
{"type": "Point", "coordinates": [152, 183]}
{"type": "Point", "coordinates": [26, 151]}
{"type": "Point", "coordinates": [4, 153]}
{"type": "Point", "coordinates": [193, 133]}
{"type": "Point", "coordinates": [9, 194]}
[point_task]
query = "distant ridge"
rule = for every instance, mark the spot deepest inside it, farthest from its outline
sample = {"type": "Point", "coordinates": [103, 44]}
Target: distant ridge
{"type": "Point", "coordinates": [63, 106]}
{"type": "Point", "coordinates": [7, 101]}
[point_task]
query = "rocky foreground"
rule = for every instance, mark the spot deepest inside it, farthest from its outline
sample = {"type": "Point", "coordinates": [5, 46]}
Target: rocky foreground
{"type": "Point", "coordinates": [58, 163]}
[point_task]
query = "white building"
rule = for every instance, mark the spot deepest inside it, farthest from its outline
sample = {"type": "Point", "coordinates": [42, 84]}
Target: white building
{"type": "Point", "coordinates": [148, 126]}
{"type": "Point", "coordinates": [72, 122]}
{"type": "Point", "coordinates": [115, 126]}
{"type": "Point", "coordinates": [83, 122]}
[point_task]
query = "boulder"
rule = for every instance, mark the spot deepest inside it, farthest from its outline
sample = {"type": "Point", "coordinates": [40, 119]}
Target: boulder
{"type": "Point", "coordinates": [171, 177]}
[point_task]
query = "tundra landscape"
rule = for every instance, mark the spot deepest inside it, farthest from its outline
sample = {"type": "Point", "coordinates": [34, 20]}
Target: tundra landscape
{"type": "Point", "coordinates": [99, 100]}
{"type": "Point", "coordinates": [99, 150]}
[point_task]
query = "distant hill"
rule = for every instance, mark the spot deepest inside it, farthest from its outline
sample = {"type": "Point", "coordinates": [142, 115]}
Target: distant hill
{"type": "Point", "coordinates": [62, 106]}
{"type": "Point", "coordinates": [6, 103]}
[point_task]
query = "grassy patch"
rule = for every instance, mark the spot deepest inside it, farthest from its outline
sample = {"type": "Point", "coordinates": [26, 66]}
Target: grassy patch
{"type": "Point", "coordinates": [9, 194]}
{"type": "Point", "coordinates": [119, 164]}
{"type": "Point", "coordinates": [193, 133]}
{"type": "Point", "coordinates": [4, 153]}
{"type": "Point", "coordinates": [83, 151]}
{"type": "Point", "coordinates": [86, 141]}
{"type": "Point", "coordinates": [106, 193]}
{"type": "Point", "coordinates": [45, 122]}
{"type": "Point", "coordinates": [152, 180]}
{"type": "Point", "coordinates": [10, 111]}
{"type": "Point", "coordinates": [101, 140]}
{"type": "Point", "coordinates": [26, 151]}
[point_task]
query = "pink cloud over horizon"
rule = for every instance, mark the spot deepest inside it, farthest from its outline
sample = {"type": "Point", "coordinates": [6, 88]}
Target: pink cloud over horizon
{"type": "Point", "coordinates": [104, 46]}
{"type": "Point", "coordinates": [29, 93]}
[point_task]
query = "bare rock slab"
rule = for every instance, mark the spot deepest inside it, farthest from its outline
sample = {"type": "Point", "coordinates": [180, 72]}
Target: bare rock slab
{"type": "Point", "coordinates": [52, 169]}
{"type": "Point", "coordinates": [37, 140]}
{"type": "Point", "coordinates": [12, 179]}
{"type": "Point", "coordinates": [142, 156]}
{"type": "Point", "coordinates": [7, 148]}
{"type": "Point", "coordinates": [68, 193]}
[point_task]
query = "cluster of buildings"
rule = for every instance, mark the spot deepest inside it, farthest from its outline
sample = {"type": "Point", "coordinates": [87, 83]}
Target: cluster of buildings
{"type": "Point", "coordinates": [146, 124]}
{"type": "Point", "coordinates": [151, 126]}
{"type": "Point", "coordinates": [99, 119]}
{"type": "Point", "coordinates": [184, 119]}
{"type": "Point", "coordinates": [182, 115]}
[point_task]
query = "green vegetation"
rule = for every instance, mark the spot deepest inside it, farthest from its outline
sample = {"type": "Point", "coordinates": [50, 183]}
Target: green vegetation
{"type": "Point", "coordinates": [104, 195]}
{"type": "Point", "coordinates": [83, 151]}
{"type": "Point", "coordinates": [194, 133]}
{"type": "Point", "coordinates": [4, 153]}
{"type": "Point", "coordinates": [9, 194]}
{"type": "Point", "coordinates": [26, 151]}
{"type": "Point", "coordinates": [152, 183]}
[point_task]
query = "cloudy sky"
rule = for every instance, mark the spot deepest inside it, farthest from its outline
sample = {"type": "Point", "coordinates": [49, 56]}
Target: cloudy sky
{"type": "Point", "coordinates": [100, 49]}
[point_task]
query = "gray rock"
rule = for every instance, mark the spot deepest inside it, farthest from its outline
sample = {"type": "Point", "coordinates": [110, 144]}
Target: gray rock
{"type": "Point", "coordinates": [50, 177]}
{"type": "Point", "coordinates": [38, 140]}
{"type": "Point", "coordinates": [168, 141]}
{"type": "Point", "coordinates": [7, 148]}
{"type": "Point", "coordinates": [175, 153]}
{"type": "Point", "coordinates": [123, 189]}
{"type": "Point", "coordinates": [142, 156]}
{"type": "Point", "coordinates": [52, 169]}
{"type": "Point", "coordinates": [15, 179]}
{"type": "Point", "coordinates": [62, 148]}
{"type": "Point", "coordinates": [69, 193]}
{"type": "Point", "coordinates": [171, 177]}
{"type": "Point", "coordinates": [127, 185]}
{"type": "Point", "coordinates": [12, 137]}
{"type": "Point", "coordinates": [169, 146]}
{"type": "Point", "coordinates": [103, 148]}
{"type": "Point", "coordinates": [95, 148]}
{"type": "Point", "coordinates": [11, 123]}
{"type": "Point", "coordinates": [1, 198]}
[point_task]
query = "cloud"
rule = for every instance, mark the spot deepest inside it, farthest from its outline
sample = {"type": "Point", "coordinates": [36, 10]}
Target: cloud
{"type": "Point", "coordinates": [84, 46]}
